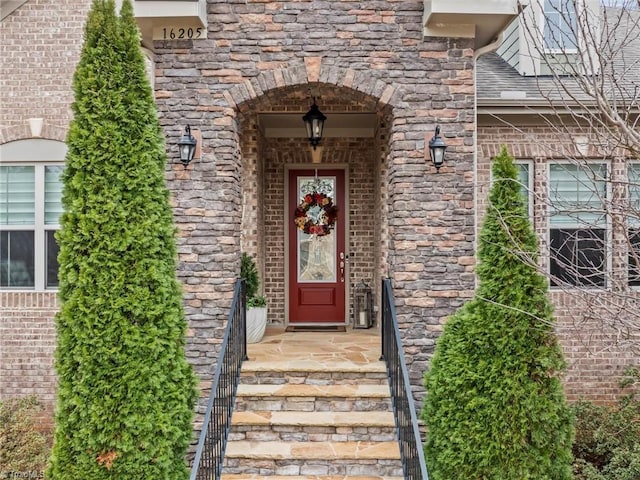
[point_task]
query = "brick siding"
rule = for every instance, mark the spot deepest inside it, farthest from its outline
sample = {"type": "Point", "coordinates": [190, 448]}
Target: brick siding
{"type": "Point", "coordinates": [597, 344]}
{"type": "Point", "coordinates": [39, 47]}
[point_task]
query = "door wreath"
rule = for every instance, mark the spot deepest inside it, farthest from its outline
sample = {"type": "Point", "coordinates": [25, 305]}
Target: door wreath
{"type": "Point", "coordinates": [316, 214]}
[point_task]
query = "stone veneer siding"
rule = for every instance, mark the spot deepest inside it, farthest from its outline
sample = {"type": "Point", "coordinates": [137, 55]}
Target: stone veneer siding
{"type": "Point", "coordinates": [255, 50]}
{"type": "Point", "coordinates": [597, 346]}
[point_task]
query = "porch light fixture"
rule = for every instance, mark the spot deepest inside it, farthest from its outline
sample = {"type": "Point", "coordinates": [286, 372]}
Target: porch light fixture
{"type": "Point", "coordinates": [437, 148]}
{"type": "Point", "coordinates": [314, 121]}
{"type": "Point", "coordinates": [187, 146]}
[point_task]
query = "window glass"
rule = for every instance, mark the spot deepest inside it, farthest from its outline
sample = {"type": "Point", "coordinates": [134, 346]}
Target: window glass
{"type": "Point", "coordinates": [560, 25]}
{"type": "Point", "coordinates": [633, 222]}
{"type": "Point", "coordinates": [634, 257]}
{"type": "Point", "coordinates": [30, 208]}
{"type": "Point", "coordinates": [523, 179]}
{"type": "Point", "coordinates": [52, 260]}
{"type": "Point", "coordinates": [578, 257]}
{"type": "Point", "coordinates": [578, 234]}
{"type": "Point", "coordinates": [17, 195]}
{"type": "Point", "coordinates": [17, 259]}
{"type": "Point", "coordinates": [52, 194]}
{"type": "Point", "coordinates": [577, 194]}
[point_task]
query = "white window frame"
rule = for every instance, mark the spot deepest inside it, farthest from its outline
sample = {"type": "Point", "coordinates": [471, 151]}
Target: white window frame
{"type": "Point", "coordinates": [39, 153]}
{"type": "Point", "coordinates": [607, 225]}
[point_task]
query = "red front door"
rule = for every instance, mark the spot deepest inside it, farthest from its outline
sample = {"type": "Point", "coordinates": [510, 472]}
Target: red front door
{"type": "Point", "coordinates": [317, 258]}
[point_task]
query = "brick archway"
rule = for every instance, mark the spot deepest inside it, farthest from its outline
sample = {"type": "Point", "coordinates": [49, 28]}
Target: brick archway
{"type": "Point", "coordinates": [242, 95]}
{"type": "Point", "coordinates": [23, 132]}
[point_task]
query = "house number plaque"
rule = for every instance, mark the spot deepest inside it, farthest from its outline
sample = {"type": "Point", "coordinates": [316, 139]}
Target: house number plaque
{"type": "Point", "coordinates": [179, 32]}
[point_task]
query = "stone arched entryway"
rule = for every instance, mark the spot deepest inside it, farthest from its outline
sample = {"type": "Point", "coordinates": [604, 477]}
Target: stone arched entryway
{"type": "Point", "coordinates": [228, 200]}
{"type": "Point", "coordinates": [273, 141]}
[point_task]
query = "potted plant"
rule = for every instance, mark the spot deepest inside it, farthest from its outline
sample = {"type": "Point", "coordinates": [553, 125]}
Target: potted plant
{"type": "Point", "coordinates": [256, 304]}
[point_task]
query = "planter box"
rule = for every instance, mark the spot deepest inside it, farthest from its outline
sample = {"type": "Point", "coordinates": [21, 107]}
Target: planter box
{"type": "Point", "coordinates": [256, 323]}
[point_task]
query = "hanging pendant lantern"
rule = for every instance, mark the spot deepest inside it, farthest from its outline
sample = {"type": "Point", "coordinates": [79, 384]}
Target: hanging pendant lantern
{"type": "Point", "coordinates": [314, 121]}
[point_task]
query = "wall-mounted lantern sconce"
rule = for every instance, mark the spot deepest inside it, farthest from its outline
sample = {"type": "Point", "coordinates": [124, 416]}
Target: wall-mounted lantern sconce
{"type": "Point", "coordinates": [314, 121]}
{"type": "Point", "coordinates": [437, 148]}
{"type": "Point", "coordinates": [187, 146]}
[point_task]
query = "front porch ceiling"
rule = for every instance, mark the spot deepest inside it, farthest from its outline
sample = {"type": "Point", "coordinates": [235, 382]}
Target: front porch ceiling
{"type": "Point", "coordinates": [289, 125]}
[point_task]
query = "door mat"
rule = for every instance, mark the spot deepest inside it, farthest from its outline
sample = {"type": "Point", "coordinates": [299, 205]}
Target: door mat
{"type": "Point", "coordinates": [316, 328]}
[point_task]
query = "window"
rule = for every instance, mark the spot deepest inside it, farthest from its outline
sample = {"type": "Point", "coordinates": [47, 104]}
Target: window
{"type": "Point", "coordinates": [633, 224]}
{"type": "Point", "coordinates": [525, 177]}
{"type": "Point", "coordinates": [30, 207]}
{"type": "Point", "coordinates": [578, 224]}
{"type": "Point", "coordinates": [560, 25]}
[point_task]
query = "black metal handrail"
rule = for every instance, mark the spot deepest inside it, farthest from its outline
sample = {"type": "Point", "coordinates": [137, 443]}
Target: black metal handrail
{"type": "Point", "coordinates": [207, 463]}
{"type": "Point", "coordinates": [404, 409]}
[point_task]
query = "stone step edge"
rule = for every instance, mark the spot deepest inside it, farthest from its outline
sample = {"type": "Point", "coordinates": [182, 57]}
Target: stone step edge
{"type": "Point", "coordinates": [278, 450]}
{"type": "Point", "coordinates": [239, 476]}
{"type": "Point", "coordinates": [315, 391]}
{"type": "Point", "coordinates": [314, 419]}
{"type": "Point", "coordinates": [311, 366]}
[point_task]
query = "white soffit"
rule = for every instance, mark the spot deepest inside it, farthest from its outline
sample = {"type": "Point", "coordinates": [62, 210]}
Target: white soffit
{"type": "Point", "coordinates": [479, 19]}
{"type": "Point", "coordinates": [170, 19]}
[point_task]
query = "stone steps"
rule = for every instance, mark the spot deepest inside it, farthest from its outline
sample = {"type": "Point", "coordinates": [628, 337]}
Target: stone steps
{"type": "Point", "coordinates": [313, 398]}
{"type": "Point", "coordinates": [313, 434]}
{"type": "Point", "coordinates": [313, 373]}
{"type": "Point", "coordinates": [314, 419]}
{"type": "Point", "coordinates": [313, 426]}
{"type": "Point", "coordinates": [303, 477]}
{"type": "Point", "coordinates": [323, 420]}
{"type": "Point", "coordinates": [313, 458]}
{"type": "Point", "coordinates": [304, 390]}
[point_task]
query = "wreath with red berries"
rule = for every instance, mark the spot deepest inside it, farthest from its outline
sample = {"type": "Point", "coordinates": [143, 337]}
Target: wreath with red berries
{"type": "Point", "coordinates": [316, 214]}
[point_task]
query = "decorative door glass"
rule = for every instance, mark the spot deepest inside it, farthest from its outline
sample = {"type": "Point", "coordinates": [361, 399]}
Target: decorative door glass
{"type": "Point", "coordinates": [317, 253]}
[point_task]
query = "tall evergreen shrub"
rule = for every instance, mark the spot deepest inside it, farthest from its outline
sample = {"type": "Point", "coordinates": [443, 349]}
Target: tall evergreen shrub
{"type": "Point", "coordinates": [126, 392]}
{"type": "Point", "coordinates": [495, 408]}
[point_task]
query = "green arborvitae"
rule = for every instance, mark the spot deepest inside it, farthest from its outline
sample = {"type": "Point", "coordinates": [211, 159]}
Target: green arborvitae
{"type": "Point", "coordinates": [495, 407]}
{"type": "Point", "coordinates": [126, 391]}
{"type": "Point", "coordinates": [249, 273]}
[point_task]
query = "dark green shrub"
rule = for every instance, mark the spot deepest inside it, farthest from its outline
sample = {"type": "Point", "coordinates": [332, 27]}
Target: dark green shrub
{"type": "Point", "coordinates": [249, 273]}
{"type": "Point", "coordinates": [23, 446]}
{"type": "Point", "coordinates": [607, 444]}
{"type": "Point", "coordinates": [126, 391]}
{"type": "Point", "coordinates": [495, 407]}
